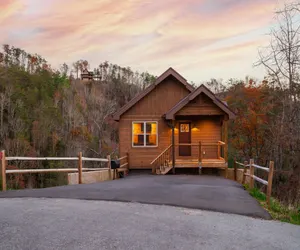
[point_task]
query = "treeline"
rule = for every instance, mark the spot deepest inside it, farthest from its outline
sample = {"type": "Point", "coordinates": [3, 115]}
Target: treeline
{"type": "Point", "coordinates": [268, 112]}
{"type": "Point", "coordinates": [267, 127]}
{"type": "Point", "coordinates": [47, 112]}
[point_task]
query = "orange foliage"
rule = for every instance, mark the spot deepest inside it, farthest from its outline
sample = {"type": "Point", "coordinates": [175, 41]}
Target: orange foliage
{"type": "Point", "coordinates": [252, 106]}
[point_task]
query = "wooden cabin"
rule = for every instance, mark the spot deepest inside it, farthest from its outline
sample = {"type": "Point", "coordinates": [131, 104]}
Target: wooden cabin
{"type": "Point", "coordinates": [87, 75]}
{"type": "Point", "coordinates": [174, 125]}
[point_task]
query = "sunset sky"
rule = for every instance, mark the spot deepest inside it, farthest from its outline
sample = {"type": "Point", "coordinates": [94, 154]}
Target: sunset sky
{"type": "Point", "coordinates": [199, 38]}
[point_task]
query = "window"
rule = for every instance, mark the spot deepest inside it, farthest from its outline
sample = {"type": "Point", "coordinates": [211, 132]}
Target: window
{"type": "Point", "coordinates": [144, 134]}
{"type": "Point", "coordinates": [185, 127]}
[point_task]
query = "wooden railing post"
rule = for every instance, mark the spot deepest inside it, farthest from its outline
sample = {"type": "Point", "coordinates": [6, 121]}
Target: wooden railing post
{"type": "Point", "coordinates": [127, 154]}
{"type": "Point", "coordinates": [219, 150]}
{"type": "Point", "coordinates": [225, 140]}
{"type": "Point", "coordinates": [270, 181]}
{"type": "Point", "coordinates": [3, 171]}
{"type": "Point", "coordinates": [235, 169]}
{"type": "Point", "coordinates": [80, 168]}
{"type": "Point", "coordinates": [154, 168]}
{"type": "Point", "coordinates": [200, 152]}
{"type": "Point", "coordinates": [251, 174]}
{"type": "Point", "coordinates": [244, 172]}
{"type": "Point", "coordinates": [109, 166]}
{"type": "Point", "coordinates": [173, 147]}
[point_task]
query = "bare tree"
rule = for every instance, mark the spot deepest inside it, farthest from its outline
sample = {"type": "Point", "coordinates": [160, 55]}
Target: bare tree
{"type": "Point", "coordinates": [282, 57]}
{"type": "Point", "coordinates": [282, 61]}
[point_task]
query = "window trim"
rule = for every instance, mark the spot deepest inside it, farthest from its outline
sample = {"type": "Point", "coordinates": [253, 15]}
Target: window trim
{"type": "Point", "coordinates": [144, 146]}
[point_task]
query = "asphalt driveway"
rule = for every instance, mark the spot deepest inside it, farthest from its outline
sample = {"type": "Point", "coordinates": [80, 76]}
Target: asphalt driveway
{"type": "Point", "coordinates": [46, 224]}
{"type": "Point", "coordinates": [190, 191]}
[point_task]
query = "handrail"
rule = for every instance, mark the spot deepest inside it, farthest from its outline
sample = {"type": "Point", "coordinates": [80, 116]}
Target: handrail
{"type": "Point", "coordinates": [21, 158]}
{"type": "Point", "coordinates": [121, 158]}
{"type": "Point", "coordinates": [253, 177]}
{"type": "Point", "coordinates": [79, 159]}
{"type": "Point", "coordinates": [125, 165]}
{"type": "Point", "coordinates": [165, 157]}
{"type": "Point", "coordinates": [259, 180]}
{"type": "Point", "coordinates": [203, 144]}
{"type": "Point", "coordinates": [186, 144]}
{"type": "Point", "coordinates": [50, 170]}
{"type": "Point", "coordinates": [161, 154]}
{"type": "Point", "coordinates": [260, 167]}
{"type": "Point", "coordinates": [94, 159]}
{"type": "Point", "coordinates": [213, 144]}
{"type": "Point", "coordinates": [242, 164]}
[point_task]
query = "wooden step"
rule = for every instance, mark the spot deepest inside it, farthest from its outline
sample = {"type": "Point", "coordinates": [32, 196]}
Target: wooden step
{"type": "Point", "coordinates": [166, 170]}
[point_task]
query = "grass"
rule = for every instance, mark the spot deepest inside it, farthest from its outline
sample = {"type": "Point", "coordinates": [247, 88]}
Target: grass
{"type": "Point", "coordinates": [277, 210]}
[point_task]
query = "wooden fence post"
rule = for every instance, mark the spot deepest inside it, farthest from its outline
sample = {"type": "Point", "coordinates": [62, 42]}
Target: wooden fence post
{"type": "Point", "coordinates": [251, 174]}
{"type": "Point", "coordinates": [270, 181]}
{"type": "Point", "coordinates": [127, 154]}
{"type": "Point", "coordinates": [244, 172]}
{"type": "Point", "coordinates": [235, 169]}
{"type": "Point", "coordinates": [109, 166]}
{"type": "Point", "coordinates": [3, 171]}
{"type": "Point", "coordinates": [80, 168]}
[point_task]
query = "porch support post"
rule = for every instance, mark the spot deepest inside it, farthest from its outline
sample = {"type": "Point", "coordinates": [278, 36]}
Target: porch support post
{"type": "Point", "coordinates": [225, 138]}
{"type": "Point", "coordinates": [173, 146]}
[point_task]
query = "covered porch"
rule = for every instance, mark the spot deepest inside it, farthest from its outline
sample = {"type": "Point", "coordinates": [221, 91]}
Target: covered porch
{"type": "Point", "coordinates": [196, 142]}
{"type": "Point", "coordinates": [199, 134]}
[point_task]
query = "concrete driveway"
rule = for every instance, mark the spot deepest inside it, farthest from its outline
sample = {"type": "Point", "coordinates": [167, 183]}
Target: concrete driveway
{"type": "Point", "coordinates": [199, 192]}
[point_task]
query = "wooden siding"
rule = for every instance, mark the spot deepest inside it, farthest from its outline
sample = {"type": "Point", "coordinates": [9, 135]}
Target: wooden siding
{"type": "Point", "coordinates": [201, 105]}
{"type": "Point", "coordinates": [151, 108]}
{"type": "Point", "coordinates": [160, 100]}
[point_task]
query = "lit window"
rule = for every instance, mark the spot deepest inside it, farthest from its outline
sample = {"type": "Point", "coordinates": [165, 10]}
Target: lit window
{"type": "Point", "coordinates": [144, 134]}
{"type": "Point", "coordinates": [184, 127]}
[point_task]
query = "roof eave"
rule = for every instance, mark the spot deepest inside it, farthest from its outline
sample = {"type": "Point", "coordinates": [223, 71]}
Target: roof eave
{"type": "Point", "coordinates": [170, 115]}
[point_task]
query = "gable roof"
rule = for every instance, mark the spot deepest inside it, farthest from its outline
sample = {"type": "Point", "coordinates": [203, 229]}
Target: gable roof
{"type": "Point", "coordinates": [202, 89]}
{"type": "Point", "coordinates": [163, 76]}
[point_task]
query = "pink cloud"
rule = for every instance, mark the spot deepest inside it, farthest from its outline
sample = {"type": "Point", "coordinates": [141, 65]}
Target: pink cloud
{"type": "Point", "coordinates": [8, 8]}
{"type": "Point", "coordinates": [156, 34]}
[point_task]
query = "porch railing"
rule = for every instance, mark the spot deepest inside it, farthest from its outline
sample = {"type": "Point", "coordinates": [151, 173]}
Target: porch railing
{"type": "Point", "coordinates": [217, 150]}
{"type": "Point", "coordinates": [163, 160]}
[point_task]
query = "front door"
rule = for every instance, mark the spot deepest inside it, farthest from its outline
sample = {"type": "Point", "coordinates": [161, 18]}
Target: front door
{"type": "Point", "coordinates": [184, 137]}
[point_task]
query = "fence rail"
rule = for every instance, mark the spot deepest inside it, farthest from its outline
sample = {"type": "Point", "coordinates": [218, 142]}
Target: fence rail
{"type": "Point", "coordinates": [79, 169]}
{"type": "Point", "coordinates": [124, 167]}
{"type": "Point", "coordinates": [253, 177]}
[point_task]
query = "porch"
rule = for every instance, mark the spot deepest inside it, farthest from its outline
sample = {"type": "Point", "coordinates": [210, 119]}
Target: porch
{"type": "Point", "coordinates": [197, 141]}
{"type": "Point", "coordinates": [170, 158]}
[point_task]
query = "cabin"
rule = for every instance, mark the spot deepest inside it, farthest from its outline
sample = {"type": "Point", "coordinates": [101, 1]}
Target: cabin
{"type": "Point", "coordinates": [87, 75]}
{"type": "Point", "coordinates": [173, 125]}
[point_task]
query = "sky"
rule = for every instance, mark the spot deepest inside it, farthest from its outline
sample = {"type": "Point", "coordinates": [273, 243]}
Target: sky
{"type": "Point", "coordinates": [201, 39]}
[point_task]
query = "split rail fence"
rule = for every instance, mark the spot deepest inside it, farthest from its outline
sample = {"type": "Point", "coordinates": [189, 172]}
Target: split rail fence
{"type": "Point", "coordinates": [252, 166]}
{"type": "Point", "coordinates": [80, 169]}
